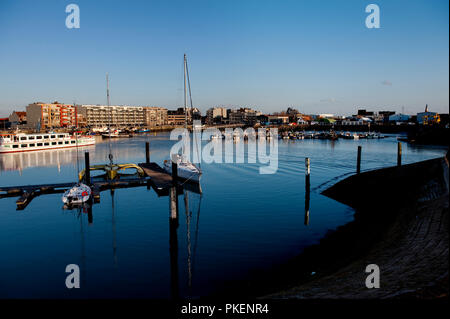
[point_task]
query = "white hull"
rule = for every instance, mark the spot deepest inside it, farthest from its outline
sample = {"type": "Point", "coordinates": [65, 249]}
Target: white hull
{"type": "Point", "coordinates": [77, 195]}
{"type": "Point", "coordinates": [186, 170]}
{"type": "Point", "coordinates": [39, 142]}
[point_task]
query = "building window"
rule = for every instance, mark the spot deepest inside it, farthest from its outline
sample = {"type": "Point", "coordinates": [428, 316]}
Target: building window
{"type": "Point", "coordinates": [24, 145]}
{"type": "Point", "coordinates": [15, 146]}
{"type": "Point", "coordinates": [31, 145]}
{"type": "Point", "coordinates": [53, 143]}
{"type": "Point", "coordinates": [39, 144]}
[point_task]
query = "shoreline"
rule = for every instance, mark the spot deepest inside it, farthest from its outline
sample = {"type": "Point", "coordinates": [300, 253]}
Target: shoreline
{"type": "Point", "coordinates": [402, 227]}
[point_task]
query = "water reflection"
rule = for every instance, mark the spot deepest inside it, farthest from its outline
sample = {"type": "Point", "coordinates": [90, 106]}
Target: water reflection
{"type": "Point", "coordinates": [249, 221]}
{"type": "Point", "coordinates": [173, 242]}
{"type": "Point", "coordinates": [45, 158]}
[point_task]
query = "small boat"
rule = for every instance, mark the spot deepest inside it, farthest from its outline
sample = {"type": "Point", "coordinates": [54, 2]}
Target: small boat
{"type": "Point", "coordinates": [186, 169]}
{"type": "Point", "coordinates": [116, 134]}
{"type": "Point", "coordinates": [77, 195]}
{"type": "Point", "coordinates": [216, 137]}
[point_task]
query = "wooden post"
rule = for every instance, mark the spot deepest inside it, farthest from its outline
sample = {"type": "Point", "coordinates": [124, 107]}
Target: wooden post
{"type": "Point", "coordinates": [173, 190]}
{"type": "Point", "coordinates": [399, 154]}
{"type": "Point", "coordinates": [307, 174]}
{"type": "Point", "coordinates": [90, 217]}
{"type": "Point", "coordinates": [147, 152]}
{"type": "Point", "coordinates": [173, 249]}
{"type": "Point", "coordinates": [174, 172]}
{"type": "Point", "coordinates": [306, 208]}
{"type": "Point", "coordinates": [358, 161]}
{"type": "Point", "coordinates": [307, 189]}
{"type": "Point", "coordinates": [87, 169]}
{"type": "Point", "coordinates": [173, 202]}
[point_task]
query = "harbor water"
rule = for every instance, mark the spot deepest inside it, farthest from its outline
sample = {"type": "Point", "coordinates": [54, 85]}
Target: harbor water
{"type": "Point", "coordinates": [242, 223]}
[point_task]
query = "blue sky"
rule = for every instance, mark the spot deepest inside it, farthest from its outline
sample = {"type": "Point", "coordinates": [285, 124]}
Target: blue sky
{"type": "Point", "coordinates": [317, 56]}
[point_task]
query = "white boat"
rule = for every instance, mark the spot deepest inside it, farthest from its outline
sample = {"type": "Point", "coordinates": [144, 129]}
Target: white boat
{"type": "Point", "coordinates": [77, 195]}
{"type": "Point", "coordinates": [186, 169]}
{"type": "Point", "coordinates": [21, 142]}
{"type": "Point", "coordinates": [115, 134]}
{"type": "Point", "coordinates": [216, 137]}
{"type": "Point", "coordinates": [99, 129]}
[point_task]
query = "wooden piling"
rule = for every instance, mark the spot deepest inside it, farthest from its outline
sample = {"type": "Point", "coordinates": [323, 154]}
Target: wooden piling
{"type": "Point", "coordinates": [399, 154]}
{"type": "Point", "coordinates": [173, 203]}
{"type": "Point", "coordinates": [174, 172]}
{"type": "Point", "coordinates": [96, 193]}
{"type": "Point", "coordinates": [87, 169]}
{"type": "Point", "coordinates": [173, 195]}
{"type": "Point", "coordinates": [307, 188]}
{"type": "Point", "coordinates": [173, 249]}
{"type": "Point", "coordinates": [307, 174]}
{"type": "Point", "coordinates": [358, 161]}
{"type": "Point", "coordinates": [147, 152]}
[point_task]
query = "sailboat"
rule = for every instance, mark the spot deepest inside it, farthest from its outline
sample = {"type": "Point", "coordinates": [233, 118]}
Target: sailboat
{"type": "Point", "coordinates": [186, 169]}
{"type": "Point", "coordinates": [80, 193]}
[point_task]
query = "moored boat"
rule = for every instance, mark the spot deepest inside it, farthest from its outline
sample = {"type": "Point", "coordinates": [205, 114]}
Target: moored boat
{"type": "Point", "coordinates": [21, 142]}
{"type": "Point", "coordinates": [186, 170]}
{"type": "Point", "coordinates": [77, 195]}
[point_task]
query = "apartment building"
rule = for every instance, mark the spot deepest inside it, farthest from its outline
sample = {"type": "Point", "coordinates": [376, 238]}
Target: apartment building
{"type": "Point", "coordinates": [115, 115]}
{"type": "Point", "coordinates": [155, 116]}
{"type": "Point", "coordinates": [51, 115]}
{"type": "Point", "coordinates": [216, 115]}
{"type": "Point", "coordinates": [18, 118]}
{"type": "Point", "coordinates": [179, 117]}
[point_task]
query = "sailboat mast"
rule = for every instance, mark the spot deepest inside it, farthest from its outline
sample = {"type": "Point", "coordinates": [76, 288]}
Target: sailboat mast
{"type": "Point", "coordinates": [110, 118]}
{"type": "Point", "coordinates": [185, 92]}
{"type": "Point", "coordinates": [76, 142]}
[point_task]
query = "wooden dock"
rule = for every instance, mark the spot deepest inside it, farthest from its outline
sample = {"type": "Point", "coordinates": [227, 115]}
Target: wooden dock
{"type": "Point", "coordinates": [155, 176]}
{"type": "Point", "coordinates": [161, 181]}
{"type": "Point", "coordinates": [158, 176]}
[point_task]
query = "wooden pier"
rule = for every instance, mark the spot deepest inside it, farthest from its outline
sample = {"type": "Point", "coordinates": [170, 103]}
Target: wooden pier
{"type": "Point", "coordinates": [28, 192]}
{"type": "Point", "coordinates": [155, 176]}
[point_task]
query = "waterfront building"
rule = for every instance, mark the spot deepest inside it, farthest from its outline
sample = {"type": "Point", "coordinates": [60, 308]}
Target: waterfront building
{"type": "Point", "coordinates": [4, 123]}
{"type": "Point", "coordinates": [155, 116]}
{"type": "Point", "coordinates": [216, 115]}
{"type": "Point", "coordinates": [278, 119]}
{"type": "Point", "coordinates": [116, 115]}
{"type": "Point", "coordinates": [179, 116]}
{"type": "Point", "coordinates": [399, 118]}
{"type": "Point", "coordinates": [51, 115]}
{"type": "Point", "coordinates": [243, 115]}
{"type": "Point", "coordinates": [235, 117]}
{"type": "Point", "coordinates": [18, 118]}
{"type": "Point", "coordinates": [364, 112]}
{"type": "Point", "coordinates": [427, 117]}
